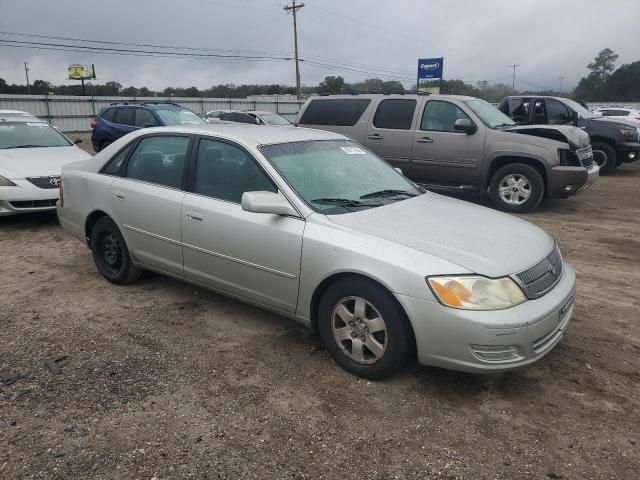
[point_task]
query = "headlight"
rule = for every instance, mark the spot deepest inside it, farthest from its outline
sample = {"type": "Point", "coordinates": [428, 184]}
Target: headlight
{"type": "Point", "coordinates": [4, 182]}
{"type": "Point", "coordinates": [470, 292]}
{"type": "Point", "coordinates": [628, 133]}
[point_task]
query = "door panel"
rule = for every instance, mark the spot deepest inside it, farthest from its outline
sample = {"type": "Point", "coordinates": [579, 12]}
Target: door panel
{"type": "Point", "coordinates": [254, 255]}
{"type": "Point", "coordinates": [441, 154]}
{"type": "Point", "coordinates": [390, 133]}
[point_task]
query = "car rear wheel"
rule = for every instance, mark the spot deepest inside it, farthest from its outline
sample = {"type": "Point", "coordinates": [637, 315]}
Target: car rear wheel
{"type": "Point", "coordinates": [516, 188]}
{"type": "Point", "coordinates": [605, 157]}
{"type": "Point", "coordinates": [110, 253]}
{"type": "Point", "coordinates": [363, 328]}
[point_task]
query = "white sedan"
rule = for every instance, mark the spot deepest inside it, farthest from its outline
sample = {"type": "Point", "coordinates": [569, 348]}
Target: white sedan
{"type": "Point", "coordinates": [620, 113]}
{"type": "Point", "coordinates": [32, 153]}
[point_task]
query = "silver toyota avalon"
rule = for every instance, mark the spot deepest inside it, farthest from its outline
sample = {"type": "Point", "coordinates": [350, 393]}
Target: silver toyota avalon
{"type": "Point", "coordinates": [313, 226]}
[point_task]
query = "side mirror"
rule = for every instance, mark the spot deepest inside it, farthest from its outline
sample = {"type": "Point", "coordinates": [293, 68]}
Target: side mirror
{"type": "Point", "coordinates": [465, 125]}
{"type": "Point", "coordinates": [574, 116]}
{"type": "Point", "coordinates": [76, 141]}
{"type": "Point", "coordinates": [266, 202]}
{"type": "Point", "coordinates": [399, 170]}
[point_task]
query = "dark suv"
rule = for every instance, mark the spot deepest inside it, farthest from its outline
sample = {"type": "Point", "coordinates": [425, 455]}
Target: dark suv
{"type": "Point", "coordinates": [613, 141]}
{"type": "Point", "coordinates": [118, 119]}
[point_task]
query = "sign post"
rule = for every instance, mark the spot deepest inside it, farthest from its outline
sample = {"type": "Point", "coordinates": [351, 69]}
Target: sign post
{"type": "Point", "coordinates": [429, 68]}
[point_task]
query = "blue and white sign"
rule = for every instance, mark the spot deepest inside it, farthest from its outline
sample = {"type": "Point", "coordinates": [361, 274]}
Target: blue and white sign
{"type": "Point", "coordinates": [430, 67]}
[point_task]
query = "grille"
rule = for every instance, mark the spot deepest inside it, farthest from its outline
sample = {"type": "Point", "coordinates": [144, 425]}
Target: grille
{"type": "Point", "coordinates": [542, 277]}
{"type": "Point", "coordinates": [45, 182]}
{"type": "Point", "coordinates": [586, 157]}
{"type": "Point", "coordinates": [34, 203]}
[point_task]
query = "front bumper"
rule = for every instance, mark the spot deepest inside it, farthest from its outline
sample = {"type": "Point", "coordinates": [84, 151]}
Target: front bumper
{"type": "Point", "coordinates": [628, 152]}
{"type": "Point", "coordinates": [475, 341]}
{"type": "Point", "coordinates": [26, 197]}
{"type": "Point", "coordinates": [567, 181]}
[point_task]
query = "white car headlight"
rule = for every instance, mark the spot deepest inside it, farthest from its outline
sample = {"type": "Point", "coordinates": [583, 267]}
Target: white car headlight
{"type": "Point", "coordinates": [5, 182]}
{"type": "Point", "coordinates": [471, 292]}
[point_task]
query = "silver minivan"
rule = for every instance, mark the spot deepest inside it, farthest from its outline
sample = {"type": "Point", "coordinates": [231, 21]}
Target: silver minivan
{"type": "Point", "coordinates": [450, 142]}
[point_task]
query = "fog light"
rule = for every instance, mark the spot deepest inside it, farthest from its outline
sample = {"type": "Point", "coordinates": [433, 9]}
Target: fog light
{"type": "Point", "coordinates": [632, 155]}
{"type": "Point", "coordinates": [568, 188]}
{"type": "Point", "coordinates": [497, 353]}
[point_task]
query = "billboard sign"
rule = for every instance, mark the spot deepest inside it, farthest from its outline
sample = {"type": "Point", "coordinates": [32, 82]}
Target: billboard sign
{"type": "Point", "coordinates": [430, 68]}
{"type": "Point", "coordinates": [81, 72]}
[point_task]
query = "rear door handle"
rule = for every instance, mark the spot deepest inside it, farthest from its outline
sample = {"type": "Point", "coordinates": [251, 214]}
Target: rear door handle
{"type": "Point", "coordinates": [195, 216]}
{"type": "Point", "coordinates": [118, 196]}
{"type": "Point", "coordinates": [375, 136]}
{"type": "Point", "coordinates": [425, 140]}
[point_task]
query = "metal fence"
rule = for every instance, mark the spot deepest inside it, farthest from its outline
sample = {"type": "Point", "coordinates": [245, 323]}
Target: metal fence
{"type": "Point", "coordinates": [75, 113]}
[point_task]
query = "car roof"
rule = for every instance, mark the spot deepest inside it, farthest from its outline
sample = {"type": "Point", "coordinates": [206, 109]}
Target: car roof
{"type": "Point", "coordinates": [18, 116]}
{"type": "Point", "coordinates": [259, 112]}
{"type": "Point", "coordinates": [391, 95]}
{"type": "Point", "coordinates": [158, 104]}
{"type": "Point", "coordinates": [249, 135]}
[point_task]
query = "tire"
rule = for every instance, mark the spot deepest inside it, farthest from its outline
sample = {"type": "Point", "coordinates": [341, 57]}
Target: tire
{"type": "Point", "coordinates": [104, 144]}
{"type": "Point", "coordinates": [390, 334]}
{"type": "Point", "coordinates": [110, 253]}
{"type": "Point", "coordinates": [605, 156]}
{"type": "Point", "coordinates": [526, 179]}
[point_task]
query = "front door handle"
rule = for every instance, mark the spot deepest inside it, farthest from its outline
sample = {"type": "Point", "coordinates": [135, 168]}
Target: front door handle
{"type": "Point", "coordinates": [118, 196]}
{"type": "Point", "coordinates": [425, 140]}
{"type": "Point", "coordinates": [375, 136]}
{"type": "Point", "coordinates": [195, 217]}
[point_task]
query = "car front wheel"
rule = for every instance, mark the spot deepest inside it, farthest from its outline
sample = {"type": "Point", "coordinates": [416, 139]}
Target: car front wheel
{"type": "Point", "coordinates": [516, 188]}
{"type": "Point", "coordinates": [363, 328]}
{"type": "Point", "coordinates": [110, 253]}
{"type": "Point", "coordinates": [605, 157]}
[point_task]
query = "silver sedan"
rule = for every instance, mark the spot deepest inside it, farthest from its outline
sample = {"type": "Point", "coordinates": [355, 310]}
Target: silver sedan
{"type": "Point", "coordinates": [313, 226]}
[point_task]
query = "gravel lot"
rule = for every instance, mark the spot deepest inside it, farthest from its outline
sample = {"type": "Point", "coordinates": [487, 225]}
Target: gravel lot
{"type": "Point", "coordinates": [166, 380]}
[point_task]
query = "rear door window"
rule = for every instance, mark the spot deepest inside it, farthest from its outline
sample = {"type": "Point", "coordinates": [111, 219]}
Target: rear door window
{"type": "Point", "coordinates": [159, 159]}
{"type": "Point", "coordinates": [539, 112]}
{"type": "Point", "coordinates": [519, 110]}
{"type": "Point", "coordinates": [395, 114]}
{"type": "Point", "coordinates": [109, 114]}
{"type": "Point", "coordinates": [340, 112]}
{"type": "Point", "coordinates": [440, 116]}
{"type": "Point", "coordinates": [125, 116]}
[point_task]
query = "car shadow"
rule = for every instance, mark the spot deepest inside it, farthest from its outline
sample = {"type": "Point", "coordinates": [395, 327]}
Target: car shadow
{"type": "Point", "coordinates": [29, 220]}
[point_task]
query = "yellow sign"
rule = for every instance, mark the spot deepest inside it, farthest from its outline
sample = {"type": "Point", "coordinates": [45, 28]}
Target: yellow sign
{"type": "Point", "coordinates": [81, 72]}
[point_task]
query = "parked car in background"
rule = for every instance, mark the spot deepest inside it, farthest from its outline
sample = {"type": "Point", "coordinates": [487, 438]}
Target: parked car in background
{"type": "Point", "coordinates": [620, 113]}
{"type": "Point", "coordinates": [254, 118]}
{"type": "Point", "coordinates": [459, 143]}
{"type": "Point", "coordinates": [311, 225]}
{"type": "Point", "coordinates": [32, 152]}
{"type": "Point", "coordinates": [214, 115]}
{"type": "Point", "coordinates": [613, 141]}
{"type": "Point", "coordinates": [118, 119]}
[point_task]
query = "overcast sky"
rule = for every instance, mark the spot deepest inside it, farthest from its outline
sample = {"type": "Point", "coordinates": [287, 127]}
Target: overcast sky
{"type": "Point", "coordinates": [478, 38]}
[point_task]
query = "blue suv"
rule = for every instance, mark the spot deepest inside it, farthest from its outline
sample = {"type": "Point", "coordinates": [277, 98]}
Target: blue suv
{"type": "Point", "coordinates": [118, 119]}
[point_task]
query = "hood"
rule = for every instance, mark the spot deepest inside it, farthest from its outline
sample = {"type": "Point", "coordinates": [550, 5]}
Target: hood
{"type": "Point", "coordinates": [477, 238]}
{"type": "Point", "coordinates": [619, 121]}
{"type": "Point", "coordinates": [574, 136]}
{"type": "Point", "coordinates": [19, 163]}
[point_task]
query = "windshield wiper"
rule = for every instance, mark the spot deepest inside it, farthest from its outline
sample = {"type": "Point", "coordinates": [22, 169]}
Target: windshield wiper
{"type": "Point", "coordinates": [25, 146]}
{"type": "Point", "coordinates": [345, 202]}
{"type": "Point", "coordinates": [388, 193]}
{"type": "Point", "coordinates": [502, 125]}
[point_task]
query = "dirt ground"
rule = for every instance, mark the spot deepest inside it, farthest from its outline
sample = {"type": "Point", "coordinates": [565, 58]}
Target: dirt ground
{"type": "Point", "coordinates": [164, 380]}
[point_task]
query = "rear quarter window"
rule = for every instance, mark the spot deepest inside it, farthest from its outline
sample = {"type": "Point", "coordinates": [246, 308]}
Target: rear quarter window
{"type": "Point", "coordinates": [109, 114]}
{"type": "Point", "coordinates": [340, 112]}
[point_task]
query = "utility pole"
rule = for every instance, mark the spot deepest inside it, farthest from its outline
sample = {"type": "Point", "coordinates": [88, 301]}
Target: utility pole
{"type": "Point", "coordinates": [514, 66]}
{"type": "Point", "coordinates": [293, 8]}
{"type": "Point", "coordinates": [561, 81]}
{"type": "Point", "coordinates": [26, 72]}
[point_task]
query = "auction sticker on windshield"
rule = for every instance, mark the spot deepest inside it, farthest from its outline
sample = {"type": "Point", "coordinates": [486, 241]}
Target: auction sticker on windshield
{"type": "Point", "coordinates": [353, 150]}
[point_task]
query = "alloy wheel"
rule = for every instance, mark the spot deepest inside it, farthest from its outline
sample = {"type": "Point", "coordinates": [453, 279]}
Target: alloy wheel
{"type": "Point", "coordinates": [514, 189]}
{"type": "Point", "coordinates": [359, 330]}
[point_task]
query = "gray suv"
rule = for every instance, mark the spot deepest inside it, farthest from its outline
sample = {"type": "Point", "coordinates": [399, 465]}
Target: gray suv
{"type": "Point", "coordinates": [462, 144]}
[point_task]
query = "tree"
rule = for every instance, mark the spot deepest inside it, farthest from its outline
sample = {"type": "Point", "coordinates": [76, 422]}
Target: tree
{"type": "Point", "coordinates": [624, 83]}
{"type": "Point", "coordinates": [332, 85]}
{"type": "Point", "coordinates": [112, 88]}
{"type": "Point", "coordinates": [145, 92]}
{"type": "Point", "coordinates": [130, 92]}
{"type": "Point", "coordinates": [604, 64]}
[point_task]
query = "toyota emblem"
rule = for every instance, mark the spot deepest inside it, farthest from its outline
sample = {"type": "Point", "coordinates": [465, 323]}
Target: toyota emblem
{"type": "Point", "coordinates": [551, 269]}
{"type": "Point", "coordinates": [54, 181]}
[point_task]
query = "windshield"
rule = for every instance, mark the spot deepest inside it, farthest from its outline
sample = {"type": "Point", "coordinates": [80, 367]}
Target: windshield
{"type": "Point", "coordinates": [338, 176]}
{"type": "Point", "coordinates": [172, 116]}
{"type": "Point", "coordinates": [30, 135]}
{"type": "Point", "coordinates": [490, 115]}
{"type": "Point", "coordinates": [274, 119]}
{"type": "Point", "coordinates": [576, 107]}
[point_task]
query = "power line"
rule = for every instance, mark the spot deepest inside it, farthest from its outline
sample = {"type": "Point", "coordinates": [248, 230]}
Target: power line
{"type": "Point", "coordinates": [293, 9]}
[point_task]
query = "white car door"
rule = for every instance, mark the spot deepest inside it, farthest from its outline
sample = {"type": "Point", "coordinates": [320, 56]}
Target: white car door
{"type": "Point", "coordinates": [253, 255]}
{"type": "Point", "coordinates": [147, 201]}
